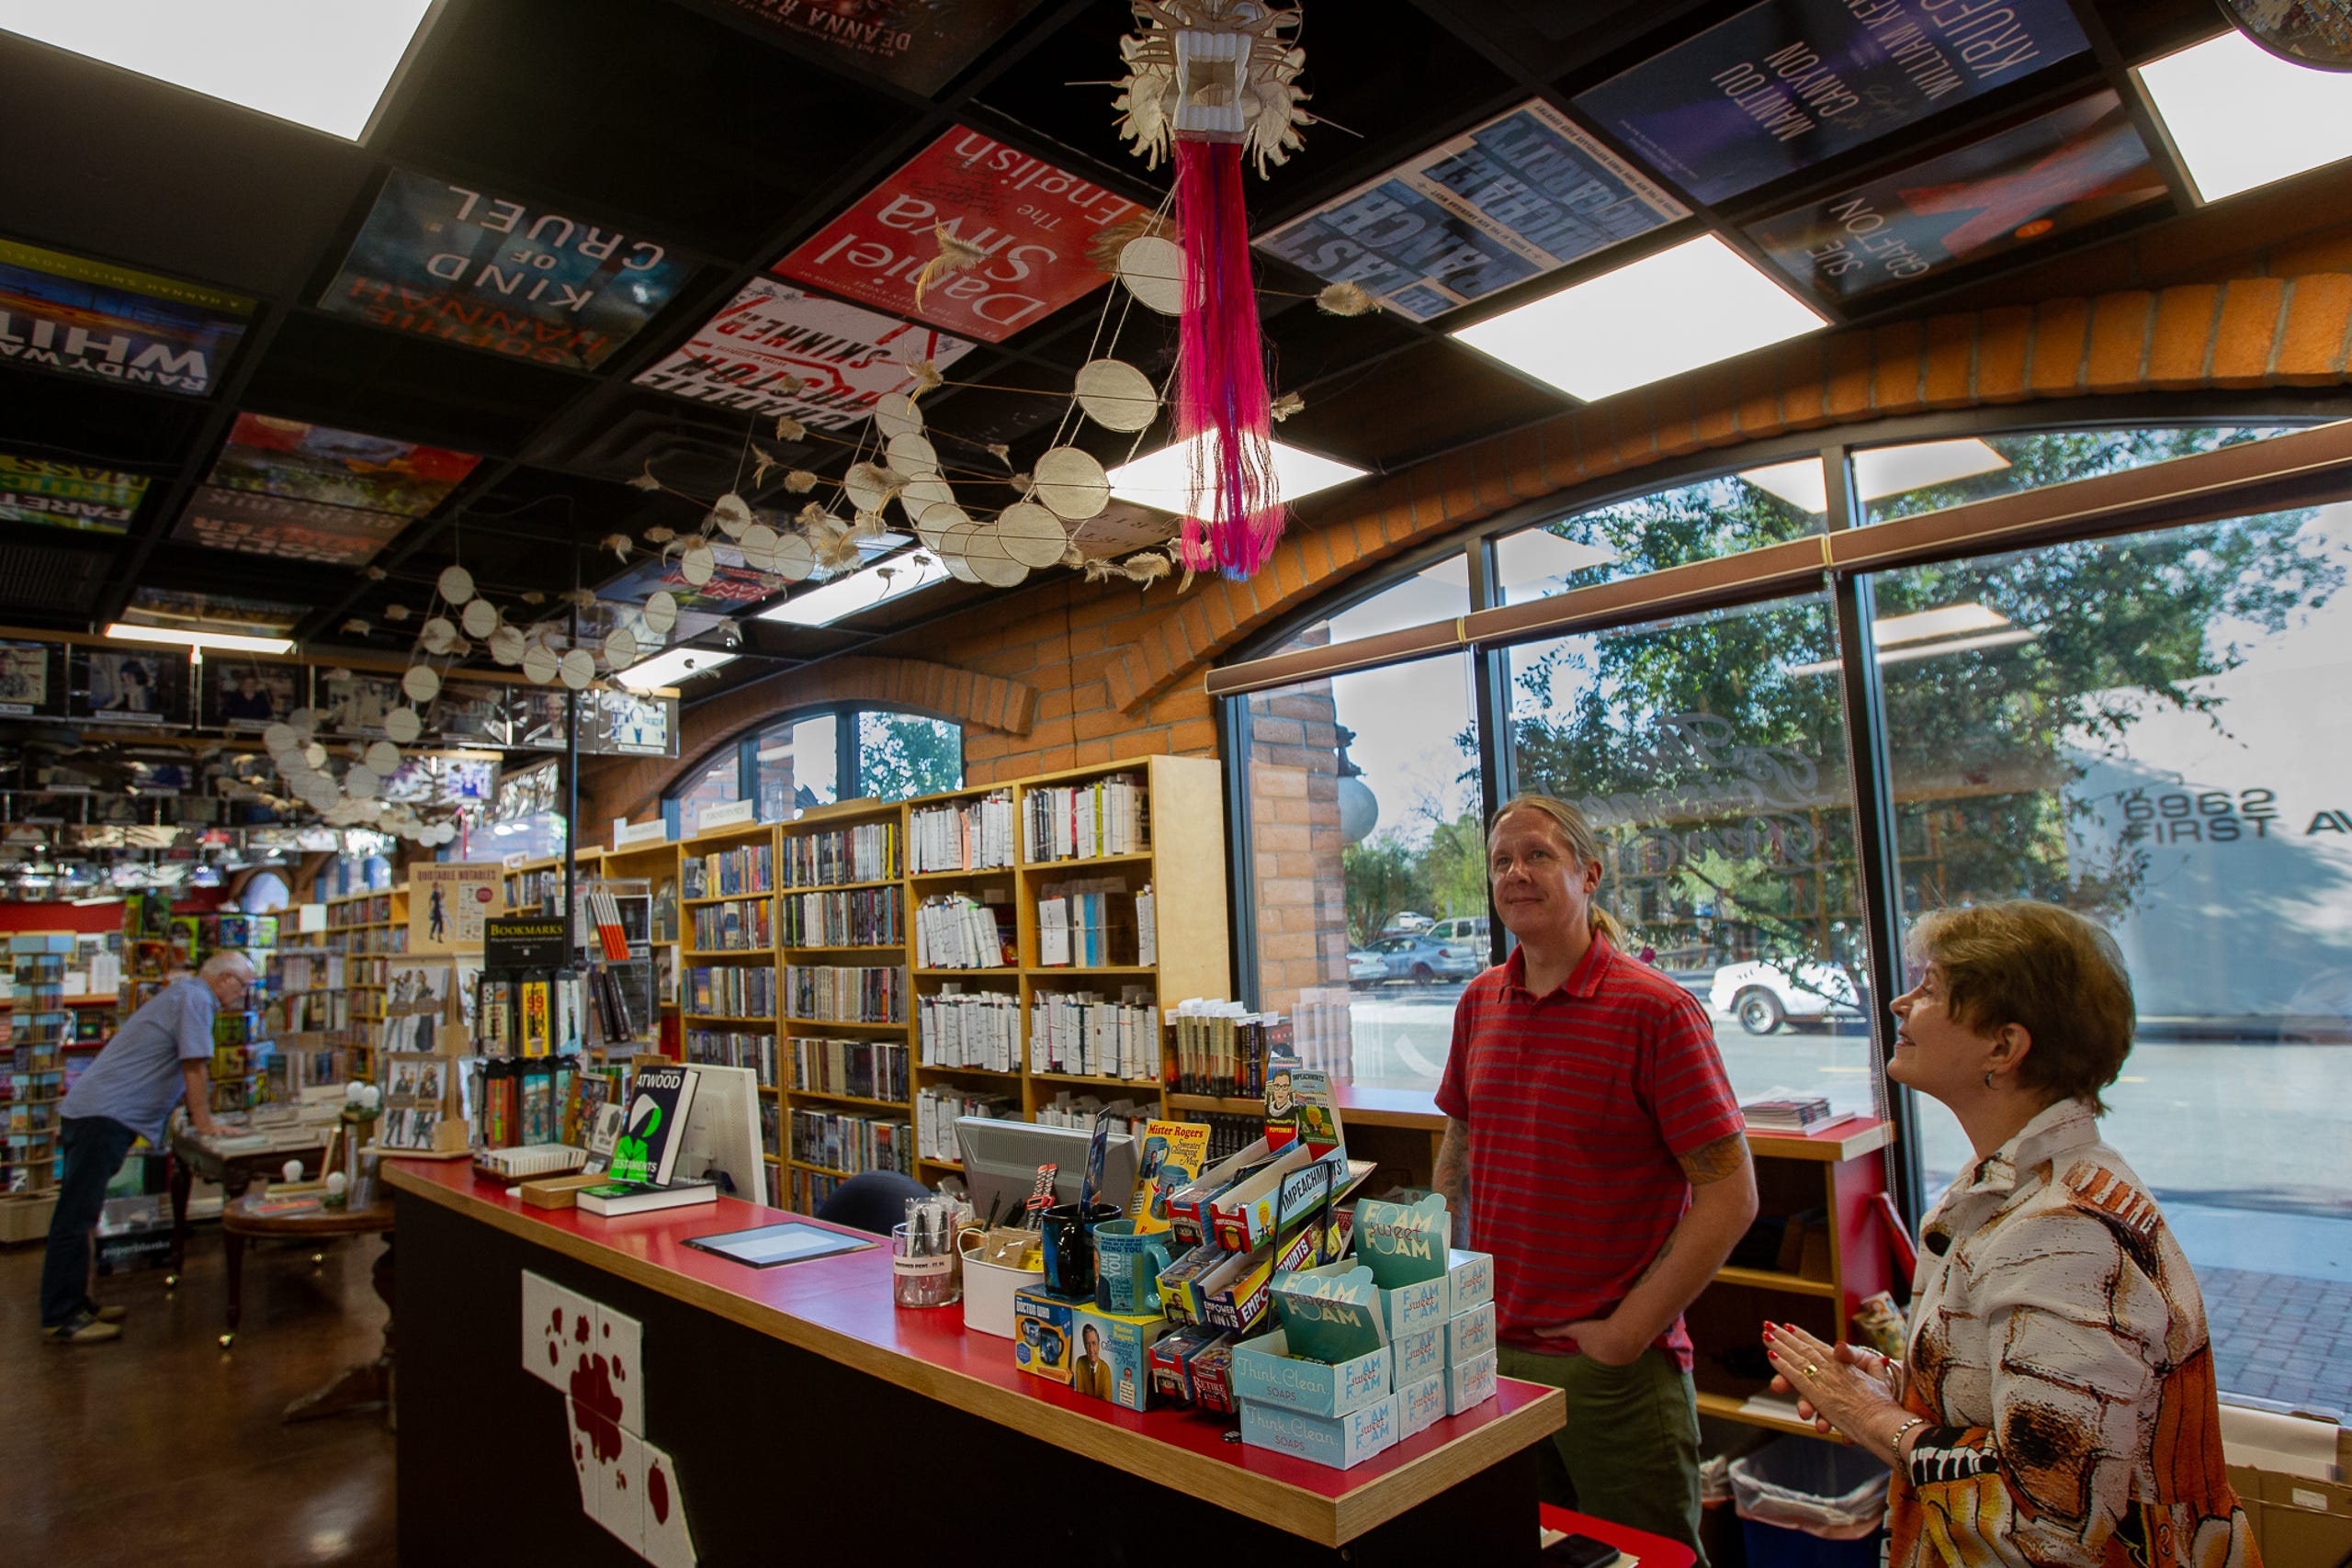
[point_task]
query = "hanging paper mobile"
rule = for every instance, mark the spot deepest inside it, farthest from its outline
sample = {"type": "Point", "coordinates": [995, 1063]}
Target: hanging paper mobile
{"type": "Point", "coordinates": [1215, 77]}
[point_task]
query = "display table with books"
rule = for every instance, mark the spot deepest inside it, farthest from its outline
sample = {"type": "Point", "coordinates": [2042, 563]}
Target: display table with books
{"type": "Point", "coordinates": [779, 1408]}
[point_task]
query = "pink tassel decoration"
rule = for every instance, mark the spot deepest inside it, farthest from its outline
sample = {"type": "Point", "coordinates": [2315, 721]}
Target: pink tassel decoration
{"type": "Point", "coordinates": [1235, 518]}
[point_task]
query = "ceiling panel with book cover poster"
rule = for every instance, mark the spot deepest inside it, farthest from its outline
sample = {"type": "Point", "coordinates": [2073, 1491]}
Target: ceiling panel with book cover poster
{"type": "Point", "coordinates": [253, 524]}
{"type": "Point", "coordinates": [777, 350]}
{"type": "Point", "coordinates": [194, 612]}
{"type": "Point", "coordinates": [338, 467]}
{"type": "Point", "coordinates": [2076, 165]}
{"type": "Point", "coordinates": [1524, 193]}
{"type": "Point", "coordinates": [79, 317]}
{"type": "Point", "coordinates": [1051, 237]}
{"type": "Point", "coordinates": [492, 273]}
{"type": "Point", "coordinates": [919, 44]}
{"type": "Point", "coordinates": [1783, 85]}
{"type": "Point", "coordinates": [68, 495]}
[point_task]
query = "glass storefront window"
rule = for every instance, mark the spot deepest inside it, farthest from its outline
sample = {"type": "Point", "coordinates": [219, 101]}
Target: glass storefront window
{"type": "Point", "coordinates": [1710, 753]}
{"type": "Point", "coordinates": [900, 755]}
{"type": "Point", "coordinates": [1369, 874]}
{"type": "Point", "coordinates": [1902, 481]}
{"type": "Point", "coordinates": [720, 783]}
{"type": "Point", "coordinates": [796, 765]}
{"type": "Point", "coordinates": [1627, 538]}
{"type": "Point", "coordinates": [2149, 729]}
{"type": "Point", "coordinates": [1438, 592]}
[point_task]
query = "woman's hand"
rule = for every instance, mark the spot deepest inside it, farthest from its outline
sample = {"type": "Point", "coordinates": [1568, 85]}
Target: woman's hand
{"type": "Point", "coordinates": [1839, 1388]}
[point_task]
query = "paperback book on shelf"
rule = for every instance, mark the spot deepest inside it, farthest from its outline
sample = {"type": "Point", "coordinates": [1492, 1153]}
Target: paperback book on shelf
{"type": "Point", "coordinates": [1794, 1113]}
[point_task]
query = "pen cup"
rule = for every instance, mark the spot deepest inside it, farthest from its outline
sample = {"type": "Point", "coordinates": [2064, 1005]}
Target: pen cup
{"type": "Point", "coordinates": [920, 1280]}
{"type": "Point", "coordinates": [1069, 1247]}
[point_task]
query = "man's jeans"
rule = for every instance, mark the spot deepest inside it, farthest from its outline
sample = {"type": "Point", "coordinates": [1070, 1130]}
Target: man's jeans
{"type": "Point", "coordinates": [95, 1147]}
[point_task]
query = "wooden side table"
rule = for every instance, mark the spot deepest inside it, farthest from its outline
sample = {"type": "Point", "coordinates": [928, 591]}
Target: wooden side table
{"type": "Point", "coordinates": [368, 1383]}
{"type": "Point", "coordinates": [192, 1158]}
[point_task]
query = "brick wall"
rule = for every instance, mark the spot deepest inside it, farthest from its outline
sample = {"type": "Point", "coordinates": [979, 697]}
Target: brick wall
{"type": "Point", "coordinates": [1066, 673]}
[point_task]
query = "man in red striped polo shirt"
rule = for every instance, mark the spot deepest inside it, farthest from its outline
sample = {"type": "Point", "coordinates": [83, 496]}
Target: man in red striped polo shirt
{"type": "Point", "coordinates": [1604, 1161]}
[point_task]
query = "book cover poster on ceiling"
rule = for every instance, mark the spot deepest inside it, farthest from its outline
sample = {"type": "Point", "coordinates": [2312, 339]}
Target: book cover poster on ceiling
{"type": "Point", "coordinates": [732, 587]}
{"type": "Point", "coordinates": [338, 467]}
{"type": "Point", "coordinates": [2057, 172]}
{"type": "Point", "coordinates": [916, 43]}
{"type": "Point", "coordinates": [212, 613]}
{"type": "Point", "coordinates": [147, 688]}
{"type": "Point", "coordinates": [1049, 236]}
{"type": "Point", "coordinates": [1511, 200]}
{"type": "Point", "coordinates": [474, 269]}
{"type": "Point", "coordinates": [67, 495]}
{"type": "Point", "coordinates": [32, 680]}
{"type": "Point", "coordinates": [235, 692]}
{"type": "Point", "coordinates": [251, 522]}
{"type": "Point", "coordinates": [1783, 85]}
{"type": "Point", "coordinates": [771, 336]}
{"type": "Point", "coordinates": [87, 318]}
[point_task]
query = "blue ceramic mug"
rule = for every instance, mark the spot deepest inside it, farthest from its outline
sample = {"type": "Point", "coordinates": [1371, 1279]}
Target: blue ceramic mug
{"type": "Point", "coordinates": [1127, 1267]}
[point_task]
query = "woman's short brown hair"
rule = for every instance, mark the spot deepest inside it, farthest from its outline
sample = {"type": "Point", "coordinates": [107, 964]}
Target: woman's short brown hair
{"type": "Point", "coordinates": [2043, 967]}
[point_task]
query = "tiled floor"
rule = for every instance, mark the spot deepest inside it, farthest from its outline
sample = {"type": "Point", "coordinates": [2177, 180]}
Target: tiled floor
{"type": "Point", "coordinates": [160, 1449]}
{"type": "Point", "coordinates": [2278, 1337]}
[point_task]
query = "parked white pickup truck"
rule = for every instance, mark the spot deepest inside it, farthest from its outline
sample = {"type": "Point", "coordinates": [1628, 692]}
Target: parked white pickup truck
{"type": "Point", "coordinates": [1763, 996]}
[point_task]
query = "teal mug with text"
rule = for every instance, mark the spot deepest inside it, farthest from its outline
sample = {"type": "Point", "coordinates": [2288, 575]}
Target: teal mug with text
{"type": "Point", "coordinates": [1127, 1267]}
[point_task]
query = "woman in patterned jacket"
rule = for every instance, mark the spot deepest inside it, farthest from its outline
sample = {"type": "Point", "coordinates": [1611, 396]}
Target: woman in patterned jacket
{"type": "Point", "coordinates": [2056, 1409]}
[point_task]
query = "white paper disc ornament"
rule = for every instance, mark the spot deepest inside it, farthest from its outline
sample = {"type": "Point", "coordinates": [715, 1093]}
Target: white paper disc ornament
{"type": "Point", "coordinates": [479, 618]}
{"type": "Point", "coordinates": [1072, 484]}
{"type": "Point", "coordinates": [758, 553]}
{"type": "Point", "coordinates": [539, 663]}
{"type": "Point", "coordinates": [1153, 270]}
{"type": "Point", "coordinates": [401, 726]}
{"type": "Point", "coordinates": [279, 738]}
{"type": "Point", "coordinates": [794, 558]}
{"type": "Point", "coordinates": [913, 456]}
{"type": "Point", "coordinates": [620, 647]}
{"type": "Point", "coordinates": [577, 668]}
{"type": "Point", "coordinates": [896, 414]}
{"type": "Point", "coordinates": [660, 612]}
{"type": "Point", "coordinates": [456, 584]}
{"type": "Point", "coordinates": [952, 540]}
{"type": "Point", "coordinates": [1116, 395]}
{"type": "Point", "coordinates": [1031, 535]}
{"type": "Point", "coordinates": [697, 564]}
{"type": "Point", "coordinates": [438, 635]}
{"type": "Point", "coordinates": [359, 781]}
{"type": "Point", "coordinates": [507, 645]}
{"type": "Point", "coordinates": [384, 759]}
{"type": "Point", "coordinates": [421, 683]}
{"type": "Point", "coordinates": [315, 755]}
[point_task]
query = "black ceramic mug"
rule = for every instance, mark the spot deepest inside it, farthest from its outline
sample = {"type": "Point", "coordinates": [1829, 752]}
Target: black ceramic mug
{"type": "Point", "coordinates": [1069, 1247]}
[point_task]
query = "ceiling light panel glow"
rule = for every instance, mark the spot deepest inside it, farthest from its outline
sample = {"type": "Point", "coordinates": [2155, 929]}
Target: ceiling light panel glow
{"type": "Point", "coordinates": [1696, 304]}
{"type": "Point", "coordinates": [1163, 480]}
{"type": "Point", "coordinates": [668, 668]}
{"type": "Point", "coordinates": [895, 579]}
{"type": "Point", "coordinates": [2242, 117]}
{"type": "Point", "coordinates": [324, 63]}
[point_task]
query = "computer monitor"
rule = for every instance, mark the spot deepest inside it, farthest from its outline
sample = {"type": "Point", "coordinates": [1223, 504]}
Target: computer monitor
{"type": "Point", "coordinates": [722, 1132]}
{"type": "Point", "coordinates": [1001, 1161]}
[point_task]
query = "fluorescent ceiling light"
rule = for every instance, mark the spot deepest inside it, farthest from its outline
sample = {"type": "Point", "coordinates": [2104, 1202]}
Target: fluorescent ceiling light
{"type": "Point", "coordinates": [667, 669]}
{"type": "Point", "coordinates": [1699, 302]}
{"type": "Point", "coordinates": [894, 579]}
{"type": "Point", "coordinates": [1164, 478]}
{"type": "Point", "coordinates": [2242, 117]}
{"type": "Point", "coordinates": [326, 65]}
{"type": "Point", "coordinates": [1925, 650]}
{"type": "Point", "coordinates": [1879, 471]}
{"type": "Point", "coordinates": [123, 631]}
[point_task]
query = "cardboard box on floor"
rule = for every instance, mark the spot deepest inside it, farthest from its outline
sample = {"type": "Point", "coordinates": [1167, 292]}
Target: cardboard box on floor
{"type": "Point", "coordinates": [2305, 1524]}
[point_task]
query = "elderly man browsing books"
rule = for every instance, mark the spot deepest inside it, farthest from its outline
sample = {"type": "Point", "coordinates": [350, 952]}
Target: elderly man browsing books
{"type": "Point", "coordinates": [161, 1052]}
{"type": "Point", "coordinates": [1593, 1141]}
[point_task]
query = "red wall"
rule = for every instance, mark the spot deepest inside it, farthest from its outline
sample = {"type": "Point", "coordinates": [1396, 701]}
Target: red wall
{"type": "Point", "coordinates": [93, 918]}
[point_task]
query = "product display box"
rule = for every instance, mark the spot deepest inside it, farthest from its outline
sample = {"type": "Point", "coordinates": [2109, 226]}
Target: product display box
{"type": "Point", "coordinates": [1188, 1206]}
{"type": "Point", "coordinates": [1419, 1353]}
{"type": "Point", "coordinates": [1470, 1334]}
{"type": "Point", "coordinates": [1213, 1378]}
{"type": "Point", "coordinates": [1265, 1372]}
{"type": "Point", "coordinates": [1469, 1384]}
{"type": "Point", "coordinates": [1113, 1359]}
{"type": "Point", "coordinates": [1341, 1441]}
{"type": "Point", "coordinates": [1044, 1332]}
{"type": "Point", "coordinates": [1469, 1279]}
{"type": "Point", "coordinates": [1218, 1289]}
{"type": "Point", "coordinates": [1247, 1214]}
{"type": "Point", "coordinates": [1173, 1358]}
{"type": "Point", "coordinates": [1419, 1406]}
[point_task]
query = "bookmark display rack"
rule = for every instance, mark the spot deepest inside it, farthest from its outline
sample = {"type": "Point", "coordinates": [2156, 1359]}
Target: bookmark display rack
{"type": "Point", "coordinates": [1001, 950]}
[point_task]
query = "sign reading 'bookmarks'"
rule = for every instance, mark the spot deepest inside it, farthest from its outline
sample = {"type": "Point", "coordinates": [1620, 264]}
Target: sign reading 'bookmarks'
{"type": "Point", "coordinates": [777, 350]}
{"type": "Point", "coordinates": [444, 260]}
{"type": "Point", "coordinates": [1509, 200]}
{"type": "Point", "coordinates": [1783, 85]}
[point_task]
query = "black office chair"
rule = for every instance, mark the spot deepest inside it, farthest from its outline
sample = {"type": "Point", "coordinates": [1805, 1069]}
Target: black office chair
{"type": "Point", "coordinates": [872, 1202]}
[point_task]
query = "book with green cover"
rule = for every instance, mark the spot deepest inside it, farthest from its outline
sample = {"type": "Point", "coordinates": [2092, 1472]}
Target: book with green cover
{"type": "Point", "coordinates": [659, 1104]}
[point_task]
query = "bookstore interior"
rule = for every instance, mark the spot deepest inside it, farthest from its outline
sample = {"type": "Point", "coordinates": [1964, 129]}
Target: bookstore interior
{"type": "Point", "coordinates": [1405, 781]}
